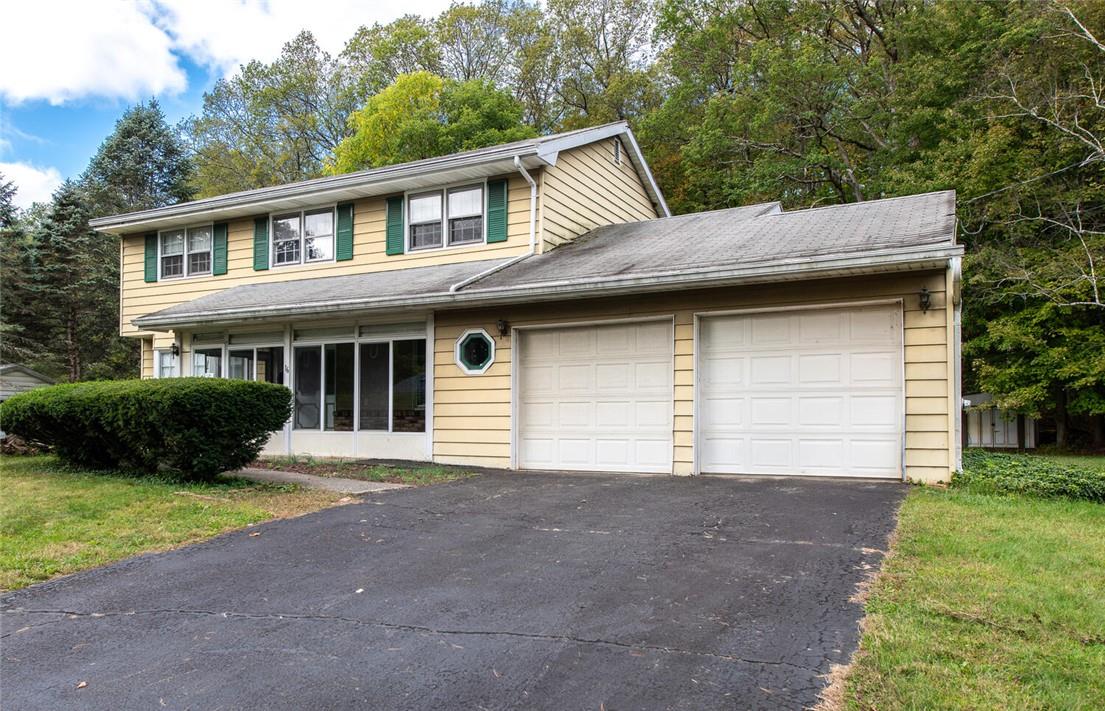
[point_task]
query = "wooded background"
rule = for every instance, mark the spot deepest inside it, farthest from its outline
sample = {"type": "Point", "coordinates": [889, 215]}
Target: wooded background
{"type": "Point", "coordinates": [811, 102]}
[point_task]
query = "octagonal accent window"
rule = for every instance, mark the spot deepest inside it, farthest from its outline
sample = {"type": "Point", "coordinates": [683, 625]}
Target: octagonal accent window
{"type": "Point", "coordinates": [475, 351]}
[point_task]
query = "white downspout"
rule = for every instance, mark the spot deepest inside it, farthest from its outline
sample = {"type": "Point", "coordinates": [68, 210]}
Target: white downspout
{"type": "Point", "coordinates": [532, 232]}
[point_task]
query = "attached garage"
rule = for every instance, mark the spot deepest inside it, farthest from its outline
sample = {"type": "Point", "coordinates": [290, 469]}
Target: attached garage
{"type": "Point", "coordinates": [804, 392]}
{"type": "Point", "coordinates": [596, 397]}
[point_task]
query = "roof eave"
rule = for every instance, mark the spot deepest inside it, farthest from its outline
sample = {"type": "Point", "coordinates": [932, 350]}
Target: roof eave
{"type": "Point", "coordinates": [377, 180]}
{"type": "Point", "coordinates": [929, 257]}
{"type": "Point", "coordinates": [541, 151]}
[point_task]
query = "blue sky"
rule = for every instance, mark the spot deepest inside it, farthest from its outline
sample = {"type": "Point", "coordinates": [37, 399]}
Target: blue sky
{"type": "Point", "coordinates": [56, 107]}
{"type": "Point", "coordinates": [65, 137]}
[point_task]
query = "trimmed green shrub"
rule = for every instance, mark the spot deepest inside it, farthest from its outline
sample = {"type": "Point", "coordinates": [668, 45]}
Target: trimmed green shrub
{"type": "Point", "coordinates": [197, 426]}
{"type": "Point", "coordinates": [992, 473]}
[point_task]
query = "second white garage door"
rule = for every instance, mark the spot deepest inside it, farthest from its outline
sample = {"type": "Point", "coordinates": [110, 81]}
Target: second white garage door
{"type": "Point", "coordinates": [814, 392]}
{"type": "Point", "coordinates": [596, 398]}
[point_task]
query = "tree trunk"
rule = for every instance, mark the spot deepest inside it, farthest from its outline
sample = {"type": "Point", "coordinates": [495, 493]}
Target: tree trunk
{"type": "Point", "coordinates": [1061, 419]}
{"type": "Point", "coordinates": [71, 350]}
{"type": "Point", "coordinates": [1098, 431]}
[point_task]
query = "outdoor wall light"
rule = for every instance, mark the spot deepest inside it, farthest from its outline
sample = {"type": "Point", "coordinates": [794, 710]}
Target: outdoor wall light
{"type": "Point", "coordinates": [503, 326]}
{"type": "Point", "coordinates": [174, 349]}
{"type": "Point", "coordinates": [926, 299]}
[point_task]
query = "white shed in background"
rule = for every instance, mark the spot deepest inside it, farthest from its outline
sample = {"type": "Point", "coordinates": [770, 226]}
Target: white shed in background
{"type": "Point", "coordinates": [15, 379]}
{"type": "Point", "coordinates": [985, 425]}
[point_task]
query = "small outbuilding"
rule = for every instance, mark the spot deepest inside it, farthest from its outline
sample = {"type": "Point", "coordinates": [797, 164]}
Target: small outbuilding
{"type": "Point", "coordinates": [15, 379]}
{"type": "Point", "coordinates": [986, 425]}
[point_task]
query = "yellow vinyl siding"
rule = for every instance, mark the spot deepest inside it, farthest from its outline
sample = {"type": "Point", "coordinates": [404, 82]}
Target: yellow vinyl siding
{"type": "Point", "coordinates": [467, 404]}
{"type": "Point", "coordinates": [145, 367]}
{"type": "Point", "coordinates": [139, 297]}
{"type": "Point", "coordinates": [586, 189]}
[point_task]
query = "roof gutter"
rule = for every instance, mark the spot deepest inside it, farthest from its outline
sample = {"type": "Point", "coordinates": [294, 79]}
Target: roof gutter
{"type": "Point", "coordinates": [532, 233]}
{"type": "Point", "coordinates": [930, 257]}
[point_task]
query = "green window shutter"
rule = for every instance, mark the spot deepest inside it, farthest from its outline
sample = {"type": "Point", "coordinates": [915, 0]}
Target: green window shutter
{"type": "Point", "coordinates": [395, 234]}
{"type": "Point", "coordinates": [218, 249]}
{"type": "Point", "coordinates": [260, 244]}
{"type": "Point", "coordinates": [151, 257]}
{"type": "Point", "coordinates": [496, 211]}
{"type": "Point", "coordinates": [344, 249]}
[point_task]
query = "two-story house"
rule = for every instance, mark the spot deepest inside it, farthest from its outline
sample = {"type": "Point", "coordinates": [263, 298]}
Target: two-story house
{"type": "Point", "coordinates": [534, 305]}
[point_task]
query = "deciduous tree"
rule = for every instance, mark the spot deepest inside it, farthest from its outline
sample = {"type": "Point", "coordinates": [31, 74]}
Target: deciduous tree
{"type": "Point", "coordinates": [422, 115]}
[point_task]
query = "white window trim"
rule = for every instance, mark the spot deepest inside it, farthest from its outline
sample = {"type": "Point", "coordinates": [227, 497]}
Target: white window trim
{"type": "Point", "coordinates": [460, 361]}
{"type": "Point", "coordinates": [184, 268]}
{"type": "Point", "coordinates": [444, 192]}
{"type": "Point", "coordinates": [303, 261]}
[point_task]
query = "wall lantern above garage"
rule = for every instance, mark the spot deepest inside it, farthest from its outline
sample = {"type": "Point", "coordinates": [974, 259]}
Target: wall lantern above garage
{"type": "Point", "coordinates": [475, 351]}
{"type": "Point", "coordinates": [926, 300]}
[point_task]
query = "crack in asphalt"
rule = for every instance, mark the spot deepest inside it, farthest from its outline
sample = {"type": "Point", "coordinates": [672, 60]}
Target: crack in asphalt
{"type": "Point", "coordinates": [70, 614]}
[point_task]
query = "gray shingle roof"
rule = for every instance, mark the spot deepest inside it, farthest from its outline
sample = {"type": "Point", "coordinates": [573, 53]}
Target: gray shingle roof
{"type": "Point", "coordinates": [418, 281]}
{"type": "Point", "coordinates": [685, 250]}
{"type": "Point", "coordinates": [740, 236]}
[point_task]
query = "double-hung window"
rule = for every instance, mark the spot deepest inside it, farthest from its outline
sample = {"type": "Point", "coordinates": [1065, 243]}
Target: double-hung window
{"type": "Point", "coordinates": [453, 217]}
{"type": "Point", "coordinates": [425, 219]}
{"type": "Point", "coordinates": [166, 364]}
{"type": "Point", "coordinates": [303, 237]}
{"type": "Point", "coordinates": [466, 215]}
{"type": "Point", "coordinates": [186, 252]}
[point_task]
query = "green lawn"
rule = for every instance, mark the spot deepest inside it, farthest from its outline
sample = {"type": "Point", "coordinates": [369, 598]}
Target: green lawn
{"type": "Point", "coordinates": [414, 475]}
{"type": "Point", "coordinates": [55, 520]}
{"type": "Point", "coordinates": [987, 602]}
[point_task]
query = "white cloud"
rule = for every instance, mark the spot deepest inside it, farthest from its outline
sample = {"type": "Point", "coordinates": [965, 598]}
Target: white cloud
{"type": "Point", "coordinates": [32, 184]}
{"type": "Point", "coordinates": [59, 50]}
{"type": "Point", "coordinates": [224, 34]}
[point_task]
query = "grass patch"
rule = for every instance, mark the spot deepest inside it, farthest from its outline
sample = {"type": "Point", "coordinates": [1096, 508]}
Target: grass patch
{"type": "Point", "coordinates": [56, 520]}
{"type": "Point", "coordinates": [991, 473]}
{"type": "Point", "coordinates": [986, 602]}
{"type": "Point", "coordinates": [411, 474]}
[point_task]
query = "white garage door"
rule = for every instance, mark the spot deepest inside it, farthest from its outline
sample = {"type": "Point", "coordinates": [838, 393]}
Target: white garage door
{"type": "Point", "coordinates": [596, 398]}
{"type": "Point", "coordinates": [814, 392]}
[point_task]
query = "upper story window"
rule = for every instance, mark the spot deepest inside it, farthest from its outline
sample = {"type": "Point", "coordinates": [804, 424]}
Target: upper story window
{"type": "Point", "coordinates": [454, 216]}
{"type": "Point", "coordinates": [303, 237]}
{"type": "Point", "coordinates": [185, 252]}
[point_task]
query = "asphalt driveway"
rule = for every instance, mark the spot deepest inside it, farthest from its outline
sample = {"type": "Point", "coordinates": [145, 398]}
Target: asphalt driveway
{"type": "Point", "coordinates": [504, 591]}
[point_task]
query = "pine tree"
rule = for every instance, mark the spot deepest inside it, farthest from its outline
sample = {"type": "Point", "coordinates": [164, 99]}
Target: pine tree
{"type": "Point", "coordinates": [143, 164]}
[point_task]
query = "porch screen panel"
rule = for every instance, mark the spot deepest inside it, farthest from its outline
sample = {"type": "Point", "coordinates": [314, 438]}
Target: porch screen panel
{"type": "Point", "coordinates": [308, 387]}
{"type": "Point", "coordinates": [207, 362]}
{"type": "Point", "coordinates": [409, 386]}
{"type": "Point", "coordinates": [375, 367]}
{"type": "Point", "coordinates": [239, 365]}
{"type": "Point", "coordinates": [339, 387]}
{"type": "Point", "coordinates": [270, 365]}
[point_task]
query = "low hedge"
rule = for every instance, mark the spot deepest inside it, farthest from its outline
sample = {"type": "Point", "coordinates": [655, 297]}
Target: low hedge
{"type": "Point", "coordinates": [989, 472]}
{"type": "Point", "coordinates": [197, 426]}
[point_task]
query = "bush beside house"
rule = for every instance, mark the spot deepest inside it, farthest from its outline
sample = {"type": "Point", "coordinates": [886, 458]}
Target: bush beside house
{"type": "Point", "coordinates": [198, 426]}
